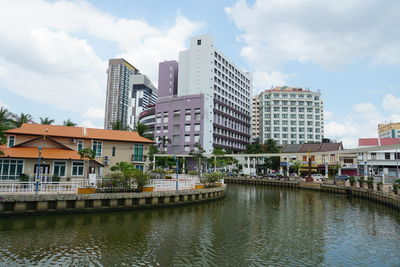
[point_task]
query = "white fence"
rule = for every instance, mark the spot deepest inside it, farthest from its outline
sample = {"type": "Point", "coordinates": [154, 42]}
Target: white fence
{"type": "Point", "coordinates": [30, 187]}
{"type": "Point", "coordinates": [170, 184]}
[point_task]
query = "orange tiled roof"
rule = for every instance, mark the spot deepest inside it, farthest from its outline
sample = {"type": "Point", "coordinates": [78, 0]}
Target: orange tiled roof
{"type": "Point", "coordinates": [33, 153]}
{"type": "Point", "coordinates": [79, 133]}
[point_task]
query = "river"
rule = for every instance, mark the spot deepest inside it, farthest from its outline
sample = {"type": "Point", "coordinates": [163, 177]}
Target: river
{"type": "Point", "coordinates": [252, 226]}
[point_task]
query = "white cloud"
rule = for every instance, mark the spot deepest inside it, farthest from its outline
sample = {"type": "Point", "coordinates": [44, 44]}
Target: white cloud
{"type": "Point", "coordinates": [89, 124]}
{"type": "Point", "coordinates": [361, 121]}
{"type": "Point", "coordinates": [2, 104]}
{"type": "Point", "coordinates": [391, 103]}
{"type": "Point", "coordinates": [46, 54]}
{"type": "Point", "coordinates": [327, 33]}
{"type": "Point", "coordinates": [265, 79]}
{"type": "Point", "coordinates": [94, 113]}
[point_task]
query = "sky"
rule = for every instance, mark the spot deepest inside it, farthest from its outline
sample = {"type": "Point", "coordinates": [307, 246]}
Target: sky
{"type": "Point", "coordinates": [54, 54]}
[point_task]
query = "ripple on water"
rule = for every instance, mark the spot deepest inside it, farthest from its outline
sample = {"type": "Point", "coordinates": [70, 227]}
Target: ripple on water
{"type": "Point", "coordinates": [253, 226]}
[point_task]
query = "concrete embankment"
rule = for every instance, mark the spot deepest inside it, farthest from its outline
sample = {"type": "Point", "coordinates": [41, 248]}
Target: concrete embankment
{"type": "Point", "coordinates": [377, 196]}
{"type": "Point", "coordinates": [58, 203]}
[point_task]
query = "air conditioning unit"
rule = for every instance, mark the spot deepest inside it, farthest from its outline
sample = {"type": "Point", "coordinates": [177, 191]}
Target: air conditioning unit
{"type": "Point", "coordinates": [73, 140]}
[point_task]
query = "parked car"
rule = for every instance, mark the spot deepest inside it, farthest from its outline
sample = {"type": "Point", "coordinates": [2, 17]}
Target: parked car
{"type": "Point", "coordinates": [230, 174]}
{"type": "Point", "coordinates": [317, 177]}
{"type": "Point", "coordinates": [342, 177]}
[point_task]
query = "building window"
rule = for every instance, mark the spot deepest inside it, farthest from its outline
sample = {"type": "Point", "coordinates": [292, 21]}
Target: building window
{"type": "Point", "coordinates": [10, 169]}
{"type": "Point", "coordinates": [97, 147]}
{"type": "Point", "coordinates": [79, 145]}
{"type": "Point", "coordinates": [139, 167]}
{"type": "Point", "coordinates": [59, 168]}
{"type": "Point", "coordinates": [138, 152]}
{"type": "Point", "coordinates": [176, 128]}
{"type": "Point", "coordinates": [11, 140]}
{"type": "Point", "coordinates": [113, 151]}
{"type": "Point", "coordinates": [373, 155]}
{"type": "Point", "coordinates": [199, 42]}
{"type": "Point", "coordinates": [188, 117]}
{"type": "Point", "coordinates": [187, 127]}
{"type": "Point", "coordinates": [187, 148]}
{"type": "Point", "coordinates": [348, 161]}
{"type": "Point", "coordinates": [197, 127]}
{"type": "Point", "coordinates": [196, 138]}
{"type": "Point", "coordinates": [175, 139]}
{"type": "Point", "coordinates": [187, 138]}
{"type": "Point", "coordinates": [197, 116]}
{"type": "Point", "coordinates": [77, 168]}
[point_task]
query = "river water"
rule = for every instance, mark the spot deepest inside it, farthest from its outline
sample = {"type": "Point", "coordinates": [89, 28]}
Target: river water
{"type": "Point", "coordinates": [252, 226]}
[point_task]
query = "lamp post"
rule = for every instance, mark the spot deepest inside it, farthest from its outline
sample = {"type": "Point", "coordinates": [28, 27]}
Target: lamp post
{"type": "Point", "coordinates": [38, 172]}
{"type": "Point", "coordinates": [177, 169]}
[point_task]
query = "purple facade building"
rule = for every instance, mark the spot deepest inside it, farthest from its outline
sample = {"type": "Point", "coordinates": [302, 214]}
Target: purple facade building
{"type": "Point", "coordinates": [167, 78]}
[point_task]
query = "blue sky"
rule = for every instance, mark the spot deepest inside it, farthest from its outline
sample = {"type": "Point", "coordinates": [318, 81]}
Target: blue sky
{"type": "Point", "coordinates": [53, 60]}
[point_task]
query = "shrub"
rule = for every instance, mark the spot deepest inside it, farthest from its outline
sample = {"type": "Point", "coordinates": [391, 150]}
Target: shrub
{"type": "Point", "coordinates": [141, 179]}
{"type": "Point", "coordinates": [55, 179]}
{"type": "Point", "coordinates": [158, 170]}
{"type": "Point", "coordinates": [210, 179]}
{"type": "Point", "coordinates": [116, 182]}
{"type": "Point", "coordinates": [192, 172]}
{"type": "Point", "coordinates": [23, 177]}
{"type": "Point", "coordinates": [352, 179]}
{"type": "Point", "coordinates": [168, 177]}
{"type": "Point", "coordinates": [370, 181]}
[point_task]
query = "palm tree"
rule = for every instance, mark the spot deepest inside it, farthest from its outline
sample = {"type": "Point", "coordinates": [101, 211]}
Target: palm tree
{"type": "Point", "coordinates": [118, 125]}
{"type": "Point", "coordinates": [69, 123]}
{"type": "Point", "coordinates": [23, 118]}
{"type": "Point", "coordinates": [163, 140]}
{"type": "Point", "coordinates": [46, 120]}
{"type": "Point", "coordinates": [87, 154]}
{"type": "Point", "coordinates": [6, 123]}
{"type": "Point", "coordinates": [198, 154]}
{"type": "Point", "coordinates": [141, 129]}
{"type": "Point", "coordinates": [271, 146]}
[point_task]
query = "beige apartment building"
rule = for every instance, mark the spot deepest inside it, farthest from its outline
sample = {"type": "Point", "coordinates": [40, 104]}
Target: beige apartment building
{"type": "Point", "coordinates": [389, 130]}
{"type": "Point", "coordinates": [58, 148]}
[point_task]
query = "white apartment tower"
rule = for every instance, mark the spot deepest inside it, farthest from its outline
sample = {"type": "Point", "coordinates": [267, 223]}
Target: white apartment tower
{"type": "Point", "coordinates": [291, 115]}
{"type": "Point", "coordinates": [226, 116]}
{"type": "Point", "coordinates": [256, 119]}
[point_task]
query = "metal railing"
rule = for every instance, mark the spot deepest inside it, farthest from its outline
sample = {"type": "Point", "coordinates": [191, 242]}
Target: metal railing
{"type": "Point", "coordinates": [170, 184]}
{"type": "Point", "coordinates": [30, 187]}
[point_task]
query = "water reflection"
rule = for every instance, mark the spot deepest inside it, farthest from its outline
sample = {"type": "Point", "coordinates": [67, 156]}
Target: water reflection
{"type": "Point", "coordinates": [253, 226]}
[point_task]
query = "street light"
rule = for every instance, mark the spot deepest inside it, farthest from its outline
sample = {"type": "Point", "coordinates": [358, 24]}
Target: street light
{"type": "Point", "coordinates": [38, 172]}
{"type": "Point", "coordinates": [177, 169]}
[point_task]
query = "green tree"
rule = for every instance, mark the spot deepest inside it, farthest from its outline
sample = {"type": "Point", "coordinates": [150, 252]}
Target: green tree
{"type": "Point", "coordinates": [46, 120]}
{"type": "Point", "coordinates": [69, 123]}
{"type": "Point", "coordinates": [87, 154]}
{"type": "Point", "coordinates": [163, 141]}
{"type": "Point", "coordinates": [253, 149]}
{"type": "Point", "coordinates": [142, 129]}
{"type": "Point", "coordinates": [218, 161]}
{"type": "Point", "coordinates": [296, 165]}
{"type": "Point", "coordinates": [22, 118]}
{"type": "Point", "coordinates": [270, 146]}
{"type": "Point", "coordinates": [118, 125]}
{"type": "Point", "coordinates": [197, 154]}
{"type": "Point", "coordinates": [6, 123]}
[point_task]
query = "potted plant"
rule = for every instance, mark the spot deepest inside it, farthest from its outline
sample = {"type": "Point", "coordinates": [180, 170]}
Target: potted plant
{"type": "Point", "coordinates": [352, 180]}
{"type": "Point", "coordinates": [55, 179]}
{"type": "Point", "coordinates": [361, 181]}
{"type": "Point", "coordinates": [23, 177]}
{"type": "Point", "coordinates": [379, 186]}
{"type": "Point", "coordinates": [370, 183]}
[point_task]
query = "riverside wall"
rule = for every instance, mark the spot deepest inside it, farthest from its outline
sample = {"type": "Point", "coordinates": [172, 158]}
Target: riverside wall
{"type": "Point", "coordinates": [377, 196]}
{"type": "Point", "coordinates": [59, 203]}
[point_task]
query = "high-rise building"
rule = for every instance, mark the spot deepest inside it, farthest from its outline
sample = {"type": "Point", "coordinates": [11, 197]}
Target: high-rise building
{"type": "Point", "coordinates": [213, 103]}
{"type": "Point", "coordinates": [291, 115]}
{"type": "Point", "coordinates": [167, 78]}
{"type": "Point", "coordinates": [142, 95]}
{"type": "Point", "coordinates": [256, 119]}
{"type": "Point", "coordinates": [389, 130]}
{"type": "Point", "coordinates": [117, 98]}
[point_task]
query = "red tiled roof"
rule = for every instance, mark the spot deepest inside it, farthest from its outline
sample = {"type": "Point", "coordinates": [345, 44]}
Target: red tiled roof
{"type": "Point", "coordinates": [378, 141]}
{"type": "Point", "coordinates": [310, 147]}
{"type": "Point", "coordinates": [33, 153]}
{"type": "Point", "coordinates": [78, 132]}
{"type": "Point", "coordinates": [368, 142]}
{"type": "Point", "coordinates": [390, 141]}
